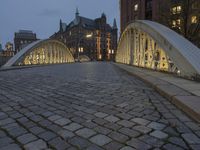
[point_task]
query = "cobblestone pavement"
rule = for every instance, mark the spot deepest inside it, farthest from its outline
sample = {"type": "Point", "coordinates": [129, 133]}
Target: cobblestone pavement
{"type": "Point", "coordinates": [91, 106]}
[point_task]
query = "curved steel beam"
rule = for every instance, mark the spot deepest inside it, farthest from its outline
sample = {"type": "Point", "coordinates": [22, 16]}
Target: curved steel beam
{"type": "Point", "coordinates": [184, 54]}
{"type": "Point", "coordinates": [31, 47]}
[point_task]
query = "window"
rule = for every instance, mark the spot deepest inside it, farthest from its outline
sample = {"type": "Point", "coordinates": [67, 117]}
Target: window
{"type": "Point", "coordinates": [195, 5]}
{"type": "Point", "coordinates": [194, 19]}
{"type": "Point", "coordinates": [136, 7]}
{"type": "Point", "coordinates": [173, 23]}
{"type": "Point", "coordinates": [178, 21]}
{"type": "Point", "coordinates": [176, 9]}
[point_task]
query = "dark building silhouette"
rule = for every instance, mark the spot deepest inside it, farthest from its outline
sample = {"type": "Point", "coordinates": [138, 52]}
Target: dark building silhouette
{"type": "Point", "coordinates": [23, 38]}
{"type": "Point", "coordinates": [183, 16]}
{"type": "Point", "coordinates": [93, 38]}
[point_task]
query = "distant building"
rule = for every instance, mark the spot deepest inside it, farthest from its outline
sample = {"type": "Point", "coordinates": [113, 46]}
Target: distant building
{"type": "Point", "coordinates": [7, 53]}
{"type": "Point", "coordinates": [23, 38]}
{"type": "Point", "coordinates": [101, 44]}
{"type": "Point", "coordinates": [1, 49]}
{"type": "Point", "coordinates": [9, 50]}
{"type": "Point", "coordinates": [183, 16]}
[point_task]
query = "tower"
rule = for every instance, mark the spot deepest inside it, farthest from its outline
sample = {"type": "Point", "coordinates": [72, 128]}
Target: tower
{"type": "Point", "coordinates": [61, 28]}
{"type": "Point", "coordinates": [77, 13]}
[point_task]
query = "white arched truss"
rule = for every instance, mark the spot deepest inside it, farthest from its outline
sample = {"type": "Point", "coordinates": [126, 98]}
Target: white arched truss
{"type": "Point", "coordinates": [42, 52]}
{"type": "Point", "coordinates": [152, 45]}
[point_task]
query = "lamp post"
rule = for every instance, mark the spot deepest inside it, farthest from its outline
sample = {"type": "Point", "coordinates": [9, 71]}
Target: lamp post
{"type": "Point", "coordinates": [79, 41]}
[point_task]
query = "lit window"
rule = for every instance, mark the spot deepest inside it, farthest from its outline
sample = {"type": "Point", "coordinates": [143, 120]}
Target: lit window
{"type": "Point", "coordinates": [174, 10]}
{"type": "Point", "coordinates": [136, 7]}
{"type": "Point", "coordinates": [173, 23]}
{"type": "Point", "coordinates": [194, 19]}
{"type": "Point", "coordinates": [178, 9]}
{"type": "Point", "coordinates": [178, 21]}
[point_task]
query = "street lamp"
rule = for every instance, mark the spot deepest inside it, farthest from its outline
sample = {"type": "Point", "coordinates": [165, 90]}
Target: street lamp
{"type": "Point", "coordinates": [80, 38]}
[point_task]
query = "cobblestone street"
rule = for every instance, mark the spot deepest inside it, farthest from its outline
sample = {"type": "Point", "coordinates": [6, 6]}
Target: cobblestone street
{"type": "Point", "coordinates": [88, 106]}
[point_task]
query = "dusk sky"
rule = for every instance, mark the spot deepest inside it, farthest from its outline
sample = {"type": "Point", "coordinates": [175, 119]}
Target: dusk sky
{"type": "Point", "coordinates": [42, 16]}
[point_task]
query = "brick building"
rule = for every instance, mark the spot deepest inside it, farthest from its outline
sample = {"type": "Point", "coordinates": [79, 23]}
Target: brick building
{"type": "Point", "coordinates": [23, 38]}
{"type": "Point", "coordinates": [93, 38]}
{"type": "Point", "coordinates": [183, 16]}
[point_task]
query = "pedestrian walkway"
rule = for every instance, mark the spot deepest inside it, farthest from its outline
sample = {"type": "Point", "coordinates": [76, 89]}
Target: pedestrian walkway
{"type": "Point", "coordinates": [88, 106]}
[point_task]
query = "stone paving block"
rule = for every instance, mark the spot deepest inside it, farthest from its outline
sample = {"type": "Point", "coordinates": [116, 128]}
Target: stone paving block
{"type": "Point", "coordinates": [36, 130]}
{"type": "Point", "coordinates": [137, 144]}
{"type": "Point", "coordinates": [172, 147]}
{"type": "Point", "coordinates": [191, 138]}
{"type": "Point", "coordinates": [79, 142]}
{"type": "Point", "coordinates": [6, 121]}
{"type": "Point", "coordinates": [101, 114]}
{"type": "Point", "coordinates": [5, 141]}
{"type": "Point", "coordinates": [36, 145]}
{"type": "Point", "coordinates": [178, 141]}
{"type": "Point", "coordinates": [142, 129]}
{"type": "Point", "coordinates": [73, 126]}
{"type": "Point", "coordinates": [26, 138]}
{"type": "Point", "coordinates": [129, 132]}
{"type": "Point", "coordinates": [100, 121]}
{"type": "Point", "coordinates": [156, 126]}
{"type": "Point", "coordinates": [85, 132]}
{"type": "Point", "coordinates": [124, 116]}
{"type": "Point", "coordinates": [100, 139]}
{"type": "Point", "coordinates": [195, 147]}
{"type": "Point", "coordinates": [140, 121]}
{"type": "Point", "coordinates": [102, 130]}
{"type": "Point", "coordinates": [15, 132]}
{"type": "Point", "coordinates": [118, 137]}
{"type": "Point", "coordinates": [89, 124]}
{"type": "Point", "coordinates": [65, 134]}
{"type": "Point", "coordinates": [152, 140]}
{"type": "Point", "coordinates": [62, 121]}
{"type": "Point", "coordinates": [2, 134]}
{"type": "Point", "coordinates": [113, 145]}
{"type": "Point", "coordinates": [48, 135]}
{"type": "Point", "coordinates": [58, 143]}
{"type": "Point", "coordinates": [126, 123]}
{"type": "Point", "coordinates": [127, 148]}
{"type": "Point", "coordinates": [54, 117]}
{"type": "Point", "coordinates": [122, 105]}
{"type": "Point", "coordinates": [112, 119]}
{"type": "Point", "coordinates": [159, 134]}
{"type": "Point", "coordinates": [11, 147]}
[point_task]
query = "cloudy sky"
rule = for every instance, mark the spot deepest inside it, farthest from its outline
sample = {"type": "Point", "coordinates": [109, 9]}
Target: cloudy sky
{"type": "Point", "coordinates": [42, 16]}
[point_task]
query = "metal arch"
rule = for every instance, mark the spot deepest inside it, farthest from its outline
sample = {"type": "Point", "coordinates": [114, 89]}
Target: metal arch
{"type": "Point", "coordinates": [48, 52]}
{"type": "Point", "coordinates": [174, 52]}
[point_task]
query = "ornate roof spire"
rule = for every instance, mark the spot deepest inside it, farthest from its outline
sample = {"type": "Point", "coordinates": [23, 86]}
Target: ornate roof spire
{"type": "Point", "coordinates": [114, 24]}
{"type": "Point", "coordinates": [61, 28]}
{"type": "Point", "coordinates": [77, 12]}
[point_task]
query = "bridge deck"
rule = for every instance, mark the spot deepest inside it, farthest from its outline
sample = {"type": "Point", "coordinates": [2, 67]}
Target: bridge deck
{"type": "Point", "coordinates": [90, 106]}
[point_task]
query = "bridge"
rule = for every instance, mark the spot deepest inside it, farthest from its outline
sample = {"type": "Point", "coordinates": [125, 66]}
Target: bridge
{"type": "Point", "coordinates": [140, 102]}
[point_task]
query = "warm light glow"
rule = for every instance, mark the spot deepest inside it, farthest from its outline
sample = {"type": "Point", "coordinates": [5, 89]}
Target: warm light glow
{"type": "Point", "coordinates": [80, 49]}
{"type": "Point", "coordinates": [176, 9]}
{"type": "Point", "coordinates": [136, 7]}
{"type": "Point", "coordinates": [89, 35]}
{"type": "Point", "coordinates": [194, 19]}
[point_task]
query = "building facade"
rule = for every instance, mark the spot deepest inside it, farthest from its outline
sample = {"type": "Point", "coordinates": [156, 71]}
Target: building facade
{"type": "Point", "coordinates": [23, 38]}
{"type": "Point", "coordinates": [183, 16]}
{"type": "Point", "coordinates": [93, 38]}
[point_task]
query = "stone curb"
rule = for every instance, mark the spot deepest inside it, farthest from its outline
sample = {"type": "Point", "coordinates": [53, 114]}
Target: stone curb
{"type": "Point", "coordinates": [184, 100]}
